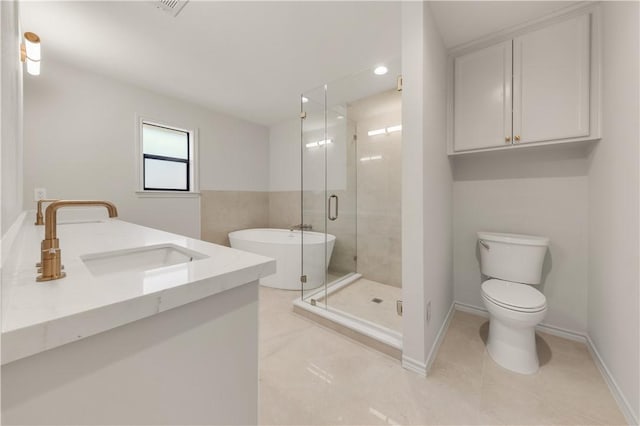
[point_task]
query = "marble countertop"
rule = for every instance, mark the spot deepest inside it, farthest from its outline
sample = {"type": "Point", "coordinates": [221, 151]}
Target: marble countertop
{"type": "Point", "coordinates": [37, 316]}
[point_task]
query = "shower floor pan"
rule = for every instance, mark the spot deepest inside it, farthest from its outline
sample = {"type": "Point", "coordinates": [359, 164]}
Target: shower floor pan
{"type": "Point", "coordinates": [383, 338]}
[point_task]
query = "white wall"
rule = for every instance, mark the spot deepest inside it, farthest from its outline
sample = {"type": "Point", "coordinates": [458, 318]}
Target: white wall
{"type": "Point", "coordinates": [11, 115]}
{"type": "Point", "coordinates": [80, 143]}
{"type": "Point", "coordinates": [613, 318]}
{"type": "Point", "coordinates": [426, 186]}
{"type": "Point", "coordinates": [284, 156]}
{"type": "Point", "coordinates": [437, 200]}
{"type": "Point", "coordinates": [527, 192]}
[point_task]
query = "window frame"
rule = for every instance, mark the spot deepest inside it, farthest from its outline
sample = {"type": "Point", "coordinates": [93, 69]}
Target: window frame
{"type": "Point", "coordinates": [191, 162]}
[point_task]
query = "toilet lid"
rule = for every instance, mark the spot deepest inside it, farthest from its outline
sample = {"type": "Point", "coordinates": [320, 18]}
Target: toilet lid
{"type": "Point", "coordinates": [516, 296]}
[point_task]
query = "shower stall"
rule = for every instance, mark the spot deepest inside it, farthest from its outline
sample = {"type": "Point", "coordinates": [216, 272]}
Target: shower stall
{"type": "Point", "coordinates": [350, 150]}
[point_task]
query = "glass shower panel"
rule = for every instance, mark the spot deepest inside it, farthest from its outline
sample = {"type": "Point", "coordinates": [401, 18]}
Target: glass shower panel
{"type": "Point", "coordinates": [341, 192]}
{"type": "Point", "coordinates": [313, 215]}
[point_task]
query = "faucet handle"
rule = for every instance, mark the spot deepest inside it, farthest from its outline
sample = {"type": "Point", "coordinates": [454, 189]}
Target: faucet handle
{"type": "Point", "coordinates": [39, 217]}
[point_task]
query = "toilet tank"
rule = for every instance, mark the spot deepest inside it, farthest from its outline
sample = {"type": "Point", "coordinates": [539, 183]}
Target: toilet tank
{"type": "Point", "coordinates": [512, 257]}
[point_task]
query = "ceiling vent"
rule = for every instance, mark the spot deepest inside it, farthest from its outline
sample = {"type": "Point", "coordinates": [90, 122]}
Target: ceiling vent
{"type": "Point", "coordinates": [172, 7]}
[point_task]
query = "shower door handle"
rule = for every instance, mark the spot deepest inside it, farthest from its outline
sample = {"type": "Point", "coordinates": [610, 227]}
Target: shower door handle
{"type": "Point", "coordinates": [335, 216]}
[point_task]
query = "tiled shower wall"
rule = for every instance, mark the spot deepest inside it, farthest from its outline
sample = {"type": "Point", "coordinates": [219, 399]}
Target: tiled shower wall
{"type": "Point", "coordinates": [379, 187]}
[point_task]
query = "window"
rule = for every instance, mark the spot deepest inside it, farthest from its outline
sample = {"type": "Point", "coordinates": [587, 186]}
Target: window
{"type": "Point", "coordinates": [166, 158]}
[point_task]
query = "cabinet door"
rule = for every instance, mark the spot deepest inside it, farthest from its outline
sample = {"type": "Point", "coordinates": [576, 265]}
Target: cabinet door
{"type": "Point", "coordinates": [482, 98]}
{"type": "Point", "coordinates": [551, 82]}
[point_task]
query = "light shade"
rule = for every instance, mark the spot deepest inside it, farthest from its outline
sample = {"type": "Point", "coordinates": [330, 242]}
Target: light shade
{"type": "Point", "coordinates": [32, 44]}
{"type": "Point", "coordinates": [33, 67]}
{"type": "Point", "coordinates": [31, 54]}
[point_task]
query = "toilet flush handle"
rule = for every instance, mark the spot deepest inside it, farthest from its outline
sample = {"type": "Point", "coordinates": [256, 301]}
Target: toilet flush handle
{"type": "Point", "coordinates": [484, 244]}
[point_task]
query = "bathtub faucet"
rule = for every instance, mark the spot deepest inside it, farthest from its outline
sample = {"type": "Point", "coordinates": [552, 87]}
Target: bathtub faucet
{"type": "Point", "coordinates": [301, 227]}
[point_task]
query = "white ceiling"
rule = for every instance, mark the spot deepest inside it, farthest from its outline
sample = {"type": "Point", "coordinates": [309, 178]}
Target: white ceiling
{"type": "Point", "coordinates": [460, 22]}
{"type": "Point", "coordinates": [249, 59]}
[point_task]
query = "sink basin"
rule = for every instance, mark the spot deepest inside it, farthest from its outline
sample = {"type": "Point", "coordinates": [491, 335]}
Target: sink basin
{"type": "Point", "coordinates": [139, 259]}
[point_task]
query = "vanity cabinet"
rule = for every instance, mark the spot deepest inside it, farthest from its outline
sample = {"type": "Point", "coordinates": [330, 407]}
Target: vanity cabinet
{"type": "Point", "coordinates": [532, 88]}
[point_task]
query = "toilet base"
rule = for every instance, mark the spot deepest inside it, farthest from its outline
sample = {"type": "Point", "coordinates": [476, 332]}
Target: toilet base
{"type": "Point", "coordinates": [513, 346]}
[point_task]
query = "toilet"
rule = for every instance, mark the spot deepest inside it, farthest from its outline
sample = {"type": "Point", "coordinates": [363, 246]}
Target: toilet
{"type": "Point", "coordinates": [512, 265]}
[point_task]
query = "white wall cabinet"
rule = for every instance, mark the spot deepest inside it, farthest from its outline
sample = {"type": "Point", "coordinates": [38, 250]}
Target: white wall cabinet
{"type": "Point", "coordinates": [483, 97]}
{"type": "Point", "coordinates": [534, 88]}
{"type": "Point", "coordinates": [551, 82]}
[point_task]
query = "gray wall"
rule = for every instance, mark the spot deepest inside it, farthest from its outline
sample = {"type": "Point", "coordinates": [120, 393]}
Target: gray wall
{"type": "Point", "coordinates": [614, 192]}
{"type": "Point", "coordinates": [539, 192]}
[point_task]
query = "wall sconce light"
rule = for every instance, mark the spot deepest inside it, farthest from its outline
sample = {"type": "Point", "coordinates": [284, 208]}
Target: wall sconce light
{"type": "Point", "coordinates": [30, 53]}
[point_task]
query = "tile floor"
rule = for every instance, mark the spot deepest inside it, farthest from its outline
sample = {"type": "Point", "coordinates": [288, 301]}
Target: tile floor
{"type": "Point", "coordinates": [355, 299]}
{"type": "Point", "coordinates": [311, 375]}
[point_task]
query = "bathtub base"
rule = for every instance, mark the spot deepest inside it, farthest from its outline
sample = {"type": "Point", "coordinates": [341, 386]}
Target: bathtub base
{"type": "Point", "coordinates": [284, 246]}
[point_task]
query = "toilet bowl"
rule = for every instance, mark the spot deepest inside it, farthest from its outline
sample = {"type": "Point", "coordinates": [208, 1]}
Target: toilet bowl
{"type": "Point", "coordinates": [514, 311]}
{"type": "Point", "coordinates": [513, 264]}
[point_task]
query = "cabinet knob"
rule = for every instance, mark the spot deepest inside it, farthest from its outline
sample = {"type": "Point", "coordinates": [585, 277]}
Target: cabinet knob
{"type": "Point", "coordinates": [516, 138]}
{"type": "Point", "coordinates": [507, 139]}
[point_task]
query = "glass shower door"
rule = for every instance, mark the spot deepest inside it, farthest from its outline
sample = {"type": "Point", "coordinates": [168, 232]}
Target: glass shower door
{"type": "Point", "coordinates": [341, 194]}
{"type": "Point", "coordinates": [313, 214]}
{"type": "Point", "coordinates": [328, 195]}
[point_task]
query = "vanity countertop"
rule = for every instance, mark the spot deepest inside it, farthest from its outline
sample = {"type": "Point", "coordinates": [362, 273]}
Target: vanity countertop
{"type": "Point", "coordinates": [37, 316]}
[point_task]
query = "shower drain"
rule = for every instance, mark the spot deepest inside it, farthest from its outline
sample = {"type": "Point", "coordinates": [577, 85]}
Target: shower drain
{"type": "Point", "coordinates": [376, 300]}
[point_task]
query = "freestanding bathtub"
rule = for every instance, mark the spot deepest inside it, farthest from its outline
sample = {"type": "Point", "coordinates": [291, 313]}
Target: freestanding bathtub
{"type": "Point", "coordinates": [284, 246]}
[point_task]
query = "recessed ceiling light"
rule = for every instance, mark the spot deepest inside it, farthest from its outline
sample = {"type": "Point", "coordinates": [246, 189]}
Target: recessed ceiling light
{"type": "Point", "coordinates": [340, 117]}
{"type": "Point", "coordinates": [380, 70]}
{"type": "Point", "coordinates": [305, 100]}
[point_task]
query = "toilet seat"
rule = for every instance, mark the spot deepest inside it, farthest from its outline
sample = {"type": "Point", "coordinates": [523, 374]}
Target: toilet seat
{"type": "Point", "coordinates": [514, 296]}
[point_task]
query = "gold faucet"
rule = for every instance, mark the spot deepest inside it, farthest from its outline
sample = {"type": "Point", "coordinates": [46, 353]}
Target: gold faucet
{"type": "Point", "coordinates": [50, 253]}
{"type": "Point", "coordinates": [39, 217]}
{"type": "Point", "coordinates": [39, 221]}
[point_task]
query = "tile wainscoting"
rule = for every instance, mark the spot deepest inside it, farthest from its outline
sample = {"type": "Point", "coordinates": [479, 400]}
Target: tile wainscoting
{"type": "Point", "coordinates": [378, 243]}
{"type": "Point", "coordinates": [226, 211]}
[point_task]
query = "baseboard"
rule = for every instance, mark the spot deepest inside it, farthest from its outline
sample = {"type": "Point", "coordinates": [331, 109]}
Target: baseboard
{"type": "Point", "coordinates": [623, 404]}
{"type": "Point", "coordinates": [471, 309]}
{"type": "Point", "coordinates": [564, 333]}
{"type": "Point", "coordinates": [414, 365]}
{"type": "Point", "coordinates": [440, 336]}
{"type": "Point", "coordinates": [576, 336]}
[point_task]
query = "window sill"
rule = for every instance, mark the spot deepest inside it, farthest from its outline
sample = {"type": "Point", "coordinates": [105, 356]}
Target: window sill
{"type": "Point", "coordinates": [167, 194]}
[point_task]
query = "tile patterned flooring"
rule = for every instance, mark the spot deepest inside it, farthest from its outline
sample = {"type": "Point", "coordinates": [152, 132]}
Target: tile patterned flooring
{"type": "Point", "coordinates": [310, 375]}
